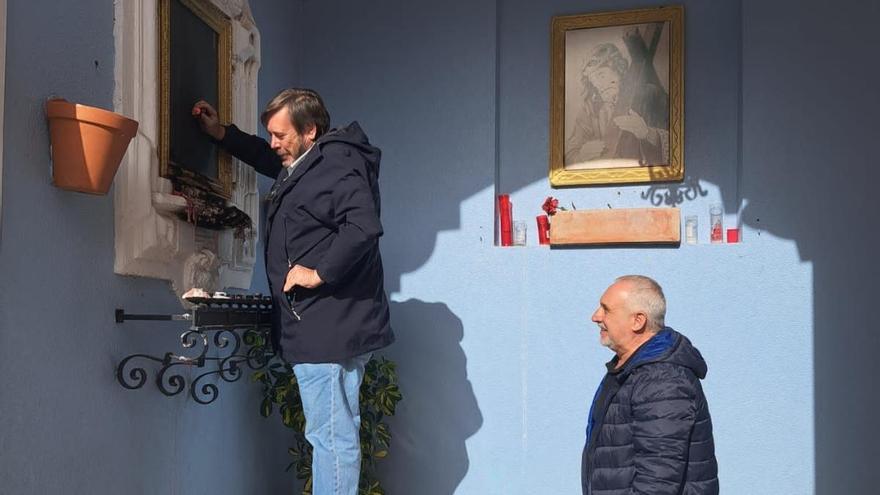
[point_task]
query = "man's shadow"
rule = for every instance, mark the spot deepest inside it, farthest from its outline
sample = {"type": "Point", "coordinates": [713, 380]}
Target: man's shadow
{"type": "Point", "coordinates": [439, 410]}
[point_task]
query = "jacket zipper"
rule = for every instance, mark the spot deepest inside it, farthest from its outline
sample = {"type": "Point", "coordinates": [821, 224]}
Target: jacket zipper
{"type": "Point", "coordinates": [288, 295]}
{"type": "Point", "coordinates": [291, 295]}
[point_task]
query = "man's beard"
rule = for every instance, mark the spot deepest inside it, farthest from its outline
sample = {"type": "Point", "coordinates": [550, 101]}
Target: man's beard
{"type": "Point", "coordinates": [605, 340]}
{"type": "Point", "coordinates": [300, 151]}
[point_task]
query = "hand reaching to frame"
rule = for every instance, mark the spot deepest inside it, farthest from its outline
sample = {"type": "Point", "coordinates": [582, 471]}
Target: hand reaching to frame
{"type": "Point", "coordinates": [208, 119]}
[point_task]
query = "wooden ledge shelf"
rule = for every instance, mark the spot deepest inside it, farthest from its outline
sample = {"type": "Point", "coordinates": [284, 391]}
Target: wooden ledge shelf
{"type": "Point", "coordinates": [616, 226]}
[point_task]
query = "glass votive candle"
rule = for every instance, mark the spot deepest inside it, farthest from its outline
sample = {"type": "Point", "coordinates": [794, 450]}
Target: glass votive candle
{"type": "Point", "coordinates": [716, 224]}
{"type": "Point", "coordinates": [519, 233]}
{"type": "Point", "coordinates": [690, 229]}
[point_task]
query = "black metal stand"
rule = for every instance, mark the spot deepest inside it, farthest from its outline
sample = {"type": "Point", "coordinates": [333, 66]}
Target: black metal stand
{"type": "Point", "coordinates": [237, 330]}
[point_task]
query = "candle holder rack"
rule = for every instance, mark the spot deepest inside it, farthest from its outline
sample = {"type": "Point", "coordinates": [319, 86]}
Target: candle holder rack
{"type": "Point", "coordinates": [227, 335]}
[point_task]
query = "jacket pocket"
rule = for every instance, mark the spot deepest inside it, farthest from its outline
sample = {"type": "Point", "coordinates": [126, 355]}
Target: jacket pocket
{"type": "Point", "coordinates": [303, 300]}
{"type": "Point", "coordinates": [322, 214]}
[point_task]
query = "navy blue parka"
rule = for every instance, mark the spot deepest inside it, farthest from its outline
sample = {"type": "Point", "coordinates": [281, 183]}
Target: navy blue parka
{"type": "Point", "coordinates": [649, 430]}
{"type": "Point", "coordinates": [325, 216]}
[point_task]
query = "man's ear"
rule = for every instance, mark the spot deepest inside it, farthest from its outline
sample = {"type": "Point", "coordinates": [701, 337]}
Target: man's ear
{"type": "Point", "coordinates": [311, 133]}
{"type": "Point", "coordinates": [640, 322]}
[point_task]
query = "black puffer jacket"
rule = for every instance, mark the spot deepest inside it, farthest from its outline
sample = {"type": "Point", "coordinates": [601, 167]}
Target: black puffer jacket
{"type": "Point", "coordinates": [649, 430]}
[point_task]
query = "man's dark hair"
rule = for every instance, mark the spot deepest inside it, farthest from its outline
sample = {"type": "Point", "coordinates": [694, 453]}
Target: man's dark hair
{"type": "Point", "coordinates": [305, 107]}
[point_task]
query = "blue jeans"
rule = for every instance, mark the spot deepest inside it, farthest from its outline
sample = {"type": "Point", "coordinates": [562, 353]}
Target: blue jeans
{"type": "Point", "coordinates": [329, 394]}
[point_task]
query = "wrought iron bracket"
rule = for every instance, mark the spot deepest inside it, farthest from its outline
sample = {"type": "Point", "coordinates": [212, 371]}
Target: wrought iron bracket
{"type": "Point", "coordinates": [224, 339]}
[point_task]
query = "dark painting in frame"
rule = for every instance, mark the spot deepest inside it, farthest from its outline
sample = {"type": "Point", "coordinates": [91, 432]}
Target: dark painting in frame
{"type": "Point", "coordinates": [196, 57]}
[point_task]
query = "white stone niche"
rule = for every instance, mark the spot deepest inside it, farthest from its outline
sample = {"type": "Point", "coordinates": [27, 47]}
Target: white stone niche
{"type": "Point", "coordinates": [151, 241]}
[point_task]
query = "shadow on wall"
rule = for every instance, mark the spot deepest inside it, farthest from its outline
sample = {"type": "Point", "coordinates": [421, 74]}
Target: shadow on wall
{"type": "Point", "coordinates": [809, 178]}
{"type": "Point", "coordinates": [439, 410]}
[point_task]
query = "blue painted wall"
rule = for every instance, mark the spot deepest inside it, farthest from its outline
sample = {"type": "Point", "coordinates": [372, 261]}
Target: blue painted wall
{"type": "Point", "coordinates": [809, 132]}
{"type": "Point", "coordinates": [66, 426]}
{"type": "Point", "coordinates": [498, 359]}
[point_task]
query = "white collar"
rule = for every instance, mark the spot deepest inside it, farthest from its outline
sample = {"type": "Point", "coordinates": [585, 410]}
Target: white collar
{"type": "Point", "coordinates": [299, 160]}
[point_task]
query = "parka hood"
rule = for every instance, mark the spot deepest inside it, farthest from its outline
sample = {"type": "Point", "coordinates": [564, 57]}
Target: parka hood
{"type": "Point", "coordinates": [671, 347]}
{"type": "Point", "coordinates": [353, 135]}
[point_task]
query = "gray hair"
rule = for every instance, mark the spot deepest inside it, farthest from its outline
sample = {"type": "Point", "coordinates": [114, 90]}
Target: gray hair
{"type": "Point", "coordinates": [646, 295]}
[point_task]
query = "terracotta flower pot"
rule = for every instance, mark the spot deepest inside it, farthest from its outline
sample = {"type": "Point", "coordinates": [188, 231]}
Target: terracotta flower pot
{"type": "Point", "coordinates": [87, 145]}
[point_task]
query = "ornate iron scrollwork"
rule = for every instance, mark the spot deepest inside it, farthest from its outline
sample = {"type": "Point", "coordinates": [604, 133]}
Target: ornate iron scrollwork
{"type": "Point", "coordinates": [225, 337]}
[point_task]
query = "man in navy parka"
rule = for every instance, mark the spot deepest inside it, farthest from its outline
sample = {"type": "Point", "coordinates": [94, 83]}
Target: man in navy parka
{"type": "Point", "coordinates": [323, 265]}
{"type": "Point", "coordinates": [649, 430]}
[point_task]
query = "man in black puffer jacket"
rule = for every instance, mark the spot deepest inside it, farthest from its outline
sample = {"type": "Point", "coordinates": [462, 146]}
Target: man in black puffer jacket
{"type": "Point", "coordinates": [649, 430]}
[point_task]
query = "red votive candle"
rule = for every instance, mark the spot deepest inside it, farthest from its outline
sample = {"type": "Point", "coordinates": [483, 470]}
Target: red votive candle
{"type": "Point", "coordinates": [543, 229]}
{"type": "Point", "coordinates": [732, 236]}
{"type": "Point", "coordinates": [506, 218]}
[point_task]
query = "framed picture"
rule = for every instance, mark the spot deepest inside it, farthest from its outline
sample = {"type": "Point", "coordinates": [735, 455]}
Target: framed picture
{"type": "Point", "coordinates": [616, 109]}
{"type": "Point", "coordinates": [196, 57]}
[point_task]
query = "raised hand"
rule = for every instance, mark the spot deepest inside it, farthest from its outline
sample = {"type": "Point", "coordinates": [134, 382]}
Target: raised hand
{"type": "Point", "coordinates": [632, 123]}
{"type": "Point", "coordinates": [208, 119]}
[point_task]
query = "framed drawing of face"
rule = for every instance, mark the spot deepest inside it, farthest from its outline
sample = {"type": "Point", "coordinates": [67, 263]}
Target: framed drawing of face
{"type": "Point", "coordinates": [616, 109]}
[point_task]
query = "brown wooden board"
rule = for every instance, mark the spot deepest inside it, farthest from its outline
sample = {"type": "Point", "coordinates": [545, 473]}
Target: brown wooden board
{"type": "Point", "coordinates": [620, 226]}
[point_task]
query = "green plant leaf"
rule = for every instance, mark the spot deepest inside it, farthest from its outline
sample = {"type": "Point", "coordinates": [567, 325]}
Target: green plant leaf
{"type": "Point", "coordinates": [266, 408]}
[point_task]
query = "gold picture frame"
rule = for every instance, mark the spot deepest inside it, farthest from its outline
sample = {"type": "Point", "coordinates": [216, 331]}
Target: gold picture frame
{"type": "Point", "coordinates": [178, 91]}
{"type": "Point", "coordinates": [616, 97]}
